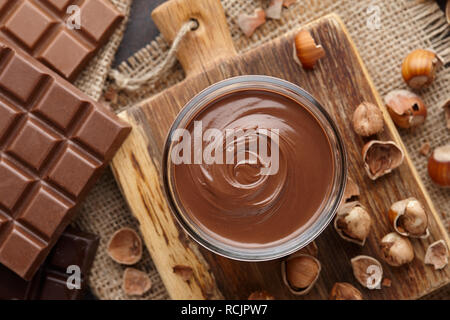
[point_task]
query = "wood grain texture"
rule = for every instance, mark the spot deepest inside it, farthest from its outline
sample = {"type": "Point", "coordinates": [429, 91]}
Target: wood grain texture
{"type": "Point", "coordinates": [210, 43]}
{"type": "Point", "coordinates": [340, 82]}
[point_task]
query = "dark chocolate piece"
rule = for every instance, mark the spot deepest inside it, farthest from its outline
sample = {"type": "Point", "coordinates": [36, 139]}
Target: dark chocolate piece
{"type": "Point", "coordinates": [54, 143]}
{"type": "Point", "coordinates": [74, 248]}
{"type": "Point", "coordinates": [41, 28]}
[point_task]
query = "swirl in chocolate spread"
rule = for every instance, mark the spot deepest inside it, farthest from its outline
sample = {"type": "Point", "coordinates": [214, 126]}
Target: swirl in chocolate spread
{"type": "Point", "coordinates": [236, 201]}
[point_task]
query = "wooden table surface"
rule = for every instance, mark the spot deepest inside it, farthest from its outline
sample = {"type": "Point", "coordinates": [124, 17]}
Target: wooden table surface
{"type": "Point", "coordinates": [141, 30]}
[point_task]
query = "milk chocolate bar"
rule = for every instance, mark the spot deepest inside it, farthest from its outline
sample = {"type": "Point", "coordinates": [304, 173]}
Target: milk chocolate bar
{"type": "Point", "coordinates": [74, 249]}
{"type": "Point", "coordinates": [54, 143]}
{"type": "Point", "coordinates": [48, 30]}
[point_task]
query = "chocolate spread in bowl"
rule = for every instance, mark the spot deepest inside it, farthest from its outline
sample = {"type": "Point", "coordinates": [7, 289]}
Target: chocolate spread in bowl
{"type": "Point", "coordinates": [243, 202]}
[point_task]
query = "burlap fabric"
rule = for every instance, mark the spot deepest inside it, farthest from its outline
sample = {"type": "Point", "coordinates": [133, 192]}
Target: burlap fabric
{"type": "Point", "coordinates": [403, 26]}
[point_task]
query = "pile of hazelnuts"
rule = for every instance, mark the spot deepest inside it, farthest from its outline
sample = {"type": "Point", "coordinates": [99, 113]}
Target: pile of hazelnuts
{"type": "Point", "coordinates": [353, 222]}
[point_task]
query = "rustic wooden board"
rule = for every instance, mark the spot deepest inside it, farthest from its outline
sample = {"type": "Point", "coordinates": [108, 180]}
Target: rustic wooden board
{"type": "Point", "coordinates": [340, 81]}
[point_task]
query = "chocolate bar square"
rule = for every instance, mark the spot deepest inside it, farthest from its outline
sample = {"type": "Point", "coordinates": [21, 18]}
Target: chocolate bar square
{"type": "Point", "coordinates": [33, 144]}
{"type": "Point", "coordinates": [13, 183]}
{"type": "Point", "coordinates": [8, 117]}
{"type": "Point", "coordinates": [28, 23]}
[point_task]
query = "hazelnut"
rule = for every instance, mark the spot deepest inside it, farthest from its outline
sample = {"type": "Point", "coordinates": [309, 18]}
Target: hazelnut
{"type": "Point", "coordinates": [437, 255]}
{"type": "Point", "coordinates": [353, 222]}
{"type": "Point", "coordinates": [125, 247]}
{"type": "Point", "coordinates": [396, 250]}
{"type": "Point", "coordinates": [261, 295]}
{"type": "Point", "coordinates": [300, 272]}
{"type": "Point", "coordinates": [408, 218]}
{"type": "Point", "coordinates": [250, 22]}
{"type": "Point", "coordinates": [345, 291]}
{"type": "Point", "coordinates": [446, 108]}
{"type": "Point", "coordinates": [351, 190]}
{"type": "Point", "coordinates": [185, 272]}
{"type": "Point", "coordinates": [367, 119]}
{"type": "Point", "coordinates": [419, 68]}
{"type": "Point", "coordinates": [135, 282]}
{"type": "Point", "coordinates": [368, 271]}
{"type": "Point", "coordinates": [381, 157]}
{"type": "Point", "coordinates": [439, 166]}
{"type": "Point", "coordinates": [406, 108]}
{"type": "Point", "coordinates": [306, 51]}
{"type": "Point", "coordinates": [386, 282]}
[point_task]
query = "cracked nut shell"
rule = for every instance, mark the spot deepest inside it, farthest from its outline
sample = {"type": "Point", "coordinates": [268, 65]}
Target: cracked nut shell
{"type": "Point", "coordinates": [345, 291]}
{"type": "Point", "coordinates": [136, 282]}
{"type": "Point", "coordinates": [381, 157]}
{"type": "Point", "coordinates": [353, 222]}
{"type": "Point", "coordinates": [125, 247]}
{"type": "Point", "coordinates": [368, 271]}
{"type": "Point", "coordinates": [408, 218]}
{"type": "Point", "coordinates": [406, 108]}
{"type": "Point", "coordinates": [437, 255]}
{"type": "Point", "coordinates": [396, 249]}
{"type": "Point", "coordinates": [306, 51]}
{"type": "Point", "coordinates": [300, 272]}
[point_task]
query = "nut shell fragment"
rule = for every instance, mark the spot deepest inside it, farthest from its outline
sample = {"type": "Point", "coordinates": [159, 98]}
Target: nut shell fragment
{"type": "Point", "coordinates": [125, 247]}
{"type": "Point", "coordinates": [437, 255]}
{"type": "Point", "coordinates": [351, 190]}
{"type": "Point", "coordinates": [381, 157]}
{"type": "Point", "coordinates": [345, 291]}
{"type": "Point", "coordinates": [306, 51]}
{"type": "Point", "coordinates": [261, 295]}
{"type": "Point", "coordinates": [396, 249]}
{"type": "Point", "coordinates": [274, 9]}
{"type": "Point", "coordinates": [353, 222]}
{"type": "Point", "coordinates": [300, 272]}
{"type": "Point", "coordinates": [368, 271]}
{"type": "Point", "coordinates": [367, 119]}
{"type": "Point", "coordinates": [136, 282]}
{"type": "Point", "coordinates": [250, 22]}
{"type": "Point", "coordinates": [406, 108]}
{"type": "Point", "coordinates": [408, 218]}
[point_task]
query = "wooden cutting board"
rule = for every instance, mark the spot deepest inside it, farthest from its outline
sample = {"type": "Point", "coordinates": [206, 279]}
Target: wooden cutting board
{"type": "Point", "coordinates": [340, 81]}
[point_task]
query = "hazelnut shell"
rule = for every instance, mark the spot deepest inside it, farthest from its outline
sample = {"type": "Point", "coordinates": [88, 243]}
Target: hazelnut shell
{"type": "Point", "coordinates": [363, 272]}
{"type": "Point", "coordinates": [396, 249]}
{"type": "Point", "coordinates": [409, 219]}
{"type": "Point", "coordinates": [419, 68]}
{"type": "Point", "coordinates": [315, 274]}
{"type": "Point", "coordinates": [437, 255]}
{"type": "Point", "coordinates": [376, 164]}
{"type": "Point", "coordinates": [136, 282]}
{"type": "Point", "coordinates": [306, 51]}
{"type": "Point", "coordinates": [406, 108]}
{"type": "Point", "coordinates": [439, 166]}
{"type": "Point", "coordinates": [125, 247]}
{"type": "Point", "coordinates": [351, 190]}
{"type": "Point", "coordinates": [345, 291]}
{"type": "Point", "coordinates": [349, 221]}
